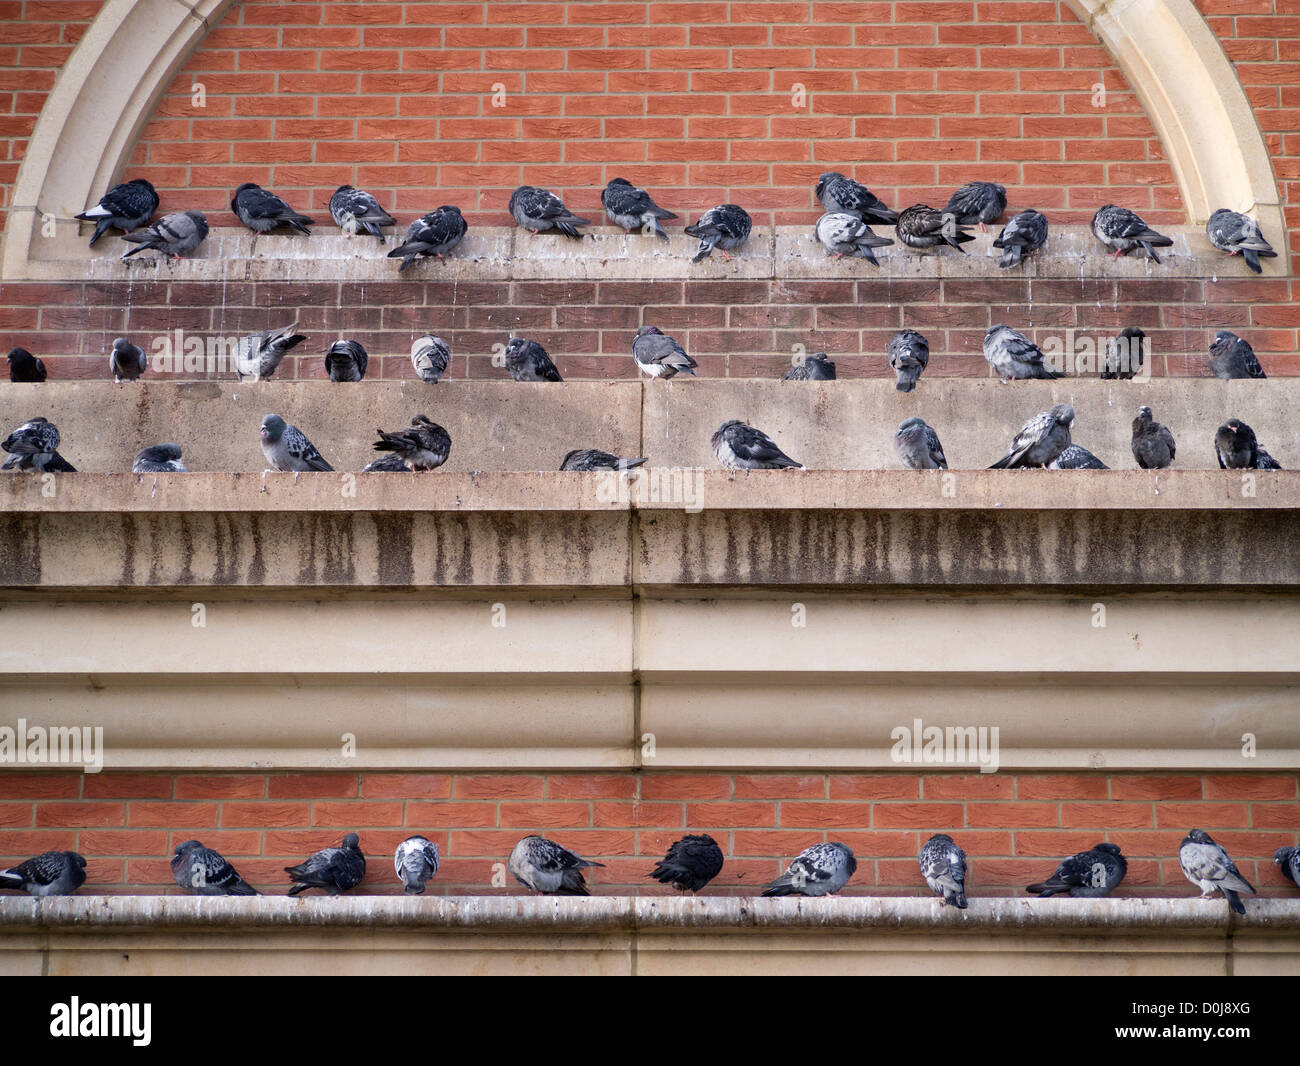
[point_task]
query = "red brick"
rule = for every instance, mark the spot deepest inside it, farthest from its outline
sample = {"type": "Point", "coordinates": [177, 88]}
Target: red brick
{"type": "Point", "coordinates": [76, 815]}
{"type": "Point", "coordinates": [874, 786]}
{"type": "Point", "coordinates": [312, 786]}
{"type": "Point", "coordinates": [684, 786]}
{"type": "Point", "coordinates": [498, 787]}
{"type": "Point", "coordinates": [352, 814]}
{"type": "Point", "coordinates": [405, 786]}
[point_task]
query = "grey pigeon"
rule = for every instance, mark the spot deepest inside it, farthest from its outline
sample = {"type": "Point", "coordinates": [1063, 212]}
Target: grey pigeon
{"type": "Point", "coordinates": [257, 355]}
{"type": "Point", "coordinates": [1076, 457]}
{"type": "Point", "coordinates": [943, 865]}
{"type": "Point", "coordinates": [594, 459]}
{"type": "Point", "coordinates": [159, 459]}
{"type": "Point", "coordinates": [660, 356]}
{"type": "Point", "coordinates": [389, 464]}
{"type": "Point", "coordinates": [1207, 865]}
{"type": "Point", "coordinates": [1014, 356]}
{"type": "Point", "coordinates": [1153, 444]}
{"type": "Point", "coordinates": [815, 367]}
{"type": "Point", "coordinates": [1025, 233]}
{"type": "Point", "coordinates": [1288, 861]}
{"type": "Point", "coordinates": [1237, 449]}
{"type": "Point", "coordinates": [922, 227]}
{"type": "Point", "coordinates": [743, 447]}
{"type": "Point", "coordinates": [173, 235]}
{"type": "Point", "coordinates": [1124, 354]}
{"type": "Point", "coordinates": [346, 361]}
{"type": "Point", "coordinates": [433, 234]}
{"type": "Point", "coordinates": [841, 234]}
{"type": "Point", "coordinates": [538, 210]}
{"type": "Point", "coordinates": [51, 873]}
{"type": "Point", "coordinates": [205, 873]}
{"type": "Point", "coordinates": [423, 445]}
{"type": "Point", "coordinates": [1231, 231]}
{"type": "Point", "coordinates": [416, 862]}
{"type": "Point", "coordinates": [549, 869]}
{"type": "Point", "coordinates": [332, 870]}
{"type": "Point", "coordinates": [1088, 874]}
{"type": "Point", "coordinates": [909, 355]}
{"type": "Point", "coordinates": [725, 227]}
{"type": "Point", "coordinates": [978, 202]}
{"type": "Point", "coordinates": [287, 449]}
{"type": "Point", "coordinates": [356, 211]}
{"type": "Point", "coordinates": [263, 211]}
{"type": "Point", "coordinates": [1042, 439]}
{"type": "Point", "coordinates": [528, 361]}
{"type": "Point", "coordinates": [835, 192]}
{"type": "Point", "coordinates": [1231, 357]}
{"type": "Point", "coordinates": [25, 367]}
{"type": "Point", "coordinates": [34, 446]}
{"type": "Point", "coordinates": [1123, 230]}
{"type": "Point", "coordinates": [690, 864]}
{"type": "Point", "coordinates": [430, 356]}
{"type": "Point", "coordinates": [917, 446]}
{"type": "Point", "coordinates": [126, 207]}
{"type": "Point", "coordinates": [633, 208]}
{"type": "Point", "coordinates": [126, 360]}
{"type": "Point", "coordinates": [821, 870]}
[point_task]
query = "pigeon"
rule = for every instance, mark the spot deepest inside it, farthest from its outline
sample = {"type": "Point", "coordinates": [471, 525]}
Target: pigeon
{"type": "Point", "coordinates": [921, 226]}
{"type": "Point", "coordinates": [1153, 444]}
{"type": "Point", "coordinates": [978, 202]}
{"type": "Point", "coordinates": [1123, 230]}
{"type": "Point", "coordinates": [1288, 861]}
{"type": "Point", "coordinates": [943, 865]}
{"type": "Point", "coordinates": [25, 367]}
{"type": "Point", "coordinates": [725, 227]}
{"type": "Point", "coordinates": [1042, 439]}
{"type": "Point", "coordinates": [691, 863]}
{"type": "Point", "coordinates": [633, 209]}
{"type": "Point", "coordinates": [821, 870]}
{"type": "Point", "coordinates": [841, 234]}
{"type": "Point", "coordinates": [51, 873]}
{"type": "Point", "coordinates": [1025, 233]}
{"type": "Point", "coordinates": [1013, 356]}
{"type": "Point", "coordinates": [159, 459]}
{"type": "Point", "coordinates": [173, 235]}
{"type": "Point", "coordinates": [430, 356]}
{"type": "Point", "coordinates": [1231, 231]}
{"type": "Point", "coordinates": [1231, 357]}
{"type": "Point", "coordinates": [287, 449]}
{"type": "Point", "coordinates": [835, 193]}
{"type": "Point", "coordinates": [527, 361]}
{"type": "Point", "coordinates": [594, 459]}
{"type": "Point", "coordinates": [815, 367]}
{"type": "Point", "coordinates": [1088, 874]}
{"type": "Point", "coordinates": [416, 862]}
{"type": "Point", "coordinates": [34, 446]}
{"type": "Point", "coordinates": [126, 360]}
{"type": "Point", "coordinates": [917, 446]}
{"type": "Point", "coordinates": [434, 234]}
{"type": "Point", "coordinates": [126, 207]}
{"type": "Point", "coordinates": [257, 355]}
{"type": "Point", "coordinates": [1076, 457]}
{"type": "Point", "coordinates": [333, 870]}
{"type": "Point", "coordinates": [743, 447]}
{"type": "Point", "coordinates": [389, 464]}
{"type": "Point", "coordinates": [1237, 449]}
{"type": "Point", "coordinates": [1206, 865]}
{"type": "Point", "coordinates": [423, 445]}
{"type": "Point", "coordinates": [660, 356]}
{"type": "Point", "coordinates": [1124, 354]}
{"type": "Point", "coordinates": [346, 361]}
{"type": "Point", "coordinates": [548, 869]}
{"type": "Point", "coordinates": [205, 873]}
{"type": "Point", "coordinates": [263, 211]}
{"type": "Point", "coordinates": [355, 210]}
{"type": "Point", "coordinates": [537, 210]}
{"type": "Point", "coordinates": [909, 353]}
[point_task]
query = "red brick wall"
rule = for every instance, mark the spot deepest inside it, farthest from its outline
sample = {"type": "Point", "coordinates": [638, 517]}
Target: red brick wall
{"type": "Point", "coordinates": [1014, 827]}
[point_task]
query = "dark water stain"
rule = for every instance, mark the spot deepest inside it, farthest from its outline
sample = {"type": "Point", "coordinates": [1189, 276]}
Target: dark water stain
{"type": "Point", "coordinates": [394, 544]}
{"type": "Point", "coordinates": [20, 549]}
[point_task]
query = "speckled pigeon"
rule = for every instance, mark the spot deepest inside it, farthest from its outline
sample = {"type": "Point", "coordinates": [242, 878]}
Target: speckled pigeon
{"type": "Point", "coordinates": [1123, 230]}
{"type": "Point", "coordinates": [924, 228]}
{"type": "Point", "coordinates": [433, 234]}
{"type": "Point", "coordinates": [1231, 231]}
{"type": "Point", "coordinates": [820, 870]}
{"type": "Point", "coordinates": [659, 355]}
{"type": "Point", "coordinates": [917, 446]}
{"type": "Point", "coordinates": [416, 862]}
{"type": "Point", "coordinates": [389, 464]}
{"type": "Point", "coordinates": [691, 863]}
{"type": "Point", "coordinates": [815, 367]}
{"type": "Point", "coordinates": [1288, 861]}
{"type": "Point", "coordinates": [333, 870]}
{"type": "Point", "coordinates": [1207, 865]}
{"type": "Point", "coordinates": [743, 447]}
{"type": "Point", "coordinates": [1232, 357]}
{"type": "Point", "coordinates": [423, 445]}
{"type": "Point", "coordinates": [51, 873]}
{"type": "Point", "coordinates": [594, 459]}
{"type": "Point", "coordinates": [356, 211]}
{"type": "Point", "coordinates": [909, 355]}
{"type": "Point", "coordinates": [1153, 443]}
{"type": "Point", "coordinates": [287, 448]}
{"type": "Point", "coordinates": [1042, 439]}
{"type": "Point", "coordinates": [841, 234]}
{"type": "Point", "coordinates": [25, 367]}
{"type": "Point", "coordinates": [549, 869]}
{"type": "Point", "coordinates": [34, 446]}
{"type": "Point", "coordinates": [943, 865]}
{"type": "Point", "coordinates": [528, 361]}
{"type": "Point", "coordinates": [126, 360]}
{"type": "Point", "coordinates": [836, 192]}
{"type": "Point", "coordinates": [1124, 354]}
{"type": "Point", "coordinates": [1025, 233]}
{"type": "Point", "coordinates": [430, 356]}
{"type": "Point", "coordinates": [1237, 449]}
{"type": "Point", "coordinates": [1014, 356]}
{"type": "Point", "coordinates": [159, 459]}
{"type": "Point", "coordinates": [538, 210]}
{"type": "Point", "coordinates": [205, 873]}
{"type": "Point", "coordinates": [346, 360]}
{"type": "Point", "coordinates": [978, 202]}
{"type": "Point", "coordinates": [1076, 457]}
{"type": "Point", "coordinates": [633, 208]}
{"type": "Point", "coordinates": [263, 211]}
{"type": "Point", "coordinates": [257, 355]}
{"type": "Point", "coordinates": [174, 235]}
{"type": "Point", "coordinates": [126, 207]}
{"type": "Point", "coordinates": [1088, 874]}
{"type": "Point", "coordinates": [725, 227]}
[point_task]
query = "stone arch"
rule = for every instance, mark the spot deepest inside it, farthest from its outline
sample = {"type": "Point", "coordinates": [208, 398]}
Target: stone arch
{"type": "Point", "coordinates": [111, 83]}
